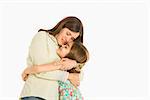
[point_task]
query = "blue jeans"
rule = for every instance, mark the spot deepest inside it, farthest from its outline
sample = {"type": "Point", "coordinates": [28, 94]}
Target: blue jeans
{"type": "Point", "coordinates": [32, 98]}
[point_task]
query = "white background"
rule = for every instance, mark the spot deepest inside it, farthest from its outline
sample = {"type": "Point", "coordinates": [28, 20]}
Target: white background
{"type": "Point", "coordinates": [116, 34]}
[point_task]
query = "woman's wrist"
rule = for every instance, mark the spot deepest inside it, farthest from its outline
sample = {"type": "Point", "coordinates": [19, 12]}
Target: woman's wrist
{"type": "Point", "coordinates": [32, 70]}
{"type": "Point", "coordinates": [27, 71]}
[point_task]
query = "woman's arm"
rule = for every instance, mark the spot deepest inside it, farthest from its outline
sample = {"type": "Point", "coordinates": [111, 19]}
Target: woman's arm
{"type": "Point", "coordinates": [43, 68]}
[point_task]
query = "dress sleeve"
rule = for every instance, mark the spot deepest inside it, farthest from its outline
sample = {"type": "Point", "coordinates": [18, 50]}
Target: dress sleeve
{"type": "Point", "coordinates": [38, 54]}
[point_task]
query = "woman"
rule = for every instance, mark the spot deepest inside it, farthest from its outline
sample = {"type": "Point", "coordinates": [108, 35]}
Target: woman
{"type": "Point", "coordinates": [42, 51]}
{"type": "Point", "coordinates": [73, 50]}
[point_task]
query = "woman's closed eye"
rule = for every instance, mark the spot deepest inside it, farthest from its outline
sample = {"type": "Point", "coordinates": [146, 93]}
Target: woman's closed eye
{"type": "Point", "coordinates": [68, 34]}
{"type": "Point", "coordinates": [72, 38]}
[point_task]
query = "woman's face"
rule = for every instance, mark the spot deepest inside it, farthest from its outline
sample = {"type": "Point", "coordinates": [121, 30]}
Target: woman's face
{"type": "Point", "coordinates": [64, 49]}
{"type": "Point", "coordinates": [65, 36]}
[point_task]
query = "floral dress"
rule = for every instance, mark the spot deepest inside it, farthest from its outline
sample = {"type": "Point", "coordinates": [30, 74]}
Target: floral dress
{"type": "Point", "coordinates": [68, 92]}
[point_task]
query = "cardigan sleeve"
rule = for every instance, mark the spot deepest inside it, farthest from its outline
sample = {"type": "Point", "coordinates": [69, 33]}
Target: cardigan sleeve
{"type": "Point", "coordinates": [38, 54]}
{"type": "Point", "coordinates": [54, 75]}
{"type": "Point", "coordinates": [81, 72]}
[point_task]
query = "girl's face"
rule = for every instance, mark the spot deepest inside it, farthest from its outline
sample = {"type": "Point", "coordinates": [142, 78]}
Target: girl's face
{"type": "Point", "coordinates": [64, 49]}
{"type": "Point", "coordinates": [65, 36]}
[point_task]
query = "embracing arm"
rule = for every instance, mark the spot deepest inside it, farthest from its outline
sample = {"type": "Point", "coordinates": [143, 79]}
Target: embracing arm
{"type": "Point", "coordinates": [59, 66]}
{"type": "Point", "coordinates": [42, 68]}
{"type": "Point", "coordinates": [75, 78]}
{"type": "Point", "coordinates": [63, 64]}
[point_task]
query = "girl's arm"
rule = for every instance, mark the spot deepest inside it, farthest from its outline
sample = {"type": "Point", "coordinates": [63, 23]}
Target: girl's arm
{"type": "Point", "coordinates": [73, 77]}
{"type": "Point", "coordinates": [63, 64]}
{"type": "Point", "coordinates": [56, 65]}
{"type": "Point", "coordinates": [43, 68]}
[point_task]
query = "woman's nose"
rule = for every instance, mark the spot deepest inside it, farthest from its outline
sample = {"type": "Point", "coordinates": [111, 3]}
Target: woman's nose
{"type": "Point", "coordinates": [64, 46]}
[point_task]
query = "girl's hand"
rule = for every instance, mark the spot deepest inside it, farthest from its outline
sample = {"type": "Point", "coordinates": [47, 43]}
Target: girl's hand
{"type": "Point", "coordinates": [26, 73]}
{"type": "Point", "coordinates": [67, 64]}
{"type": "Point", "coordinates": [74, 79]}
{"type": "Point", "coordinates": [24, 76]}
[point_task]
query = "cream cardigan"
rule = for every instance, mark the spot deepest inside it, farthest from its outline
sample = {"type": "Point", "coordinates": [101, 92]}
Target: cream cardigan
{"type": "Point", "coordinates": [41, 51]}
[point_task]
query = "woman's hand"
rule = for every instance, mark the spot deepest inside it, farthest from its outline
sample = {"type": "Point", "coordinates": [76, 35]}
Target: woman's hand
{"type": "Point", "coordinates": [67, 64]}
{"type": "Point", "coordinates": [74, 78]}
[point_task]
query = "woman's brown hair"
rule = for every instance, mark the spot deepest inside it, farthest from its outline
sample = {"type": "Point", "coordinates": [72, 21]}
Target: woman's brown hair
{"type": "Point", "coordinates": [79, 53]}
{"type": "Point", "coordinates": [72, 23]}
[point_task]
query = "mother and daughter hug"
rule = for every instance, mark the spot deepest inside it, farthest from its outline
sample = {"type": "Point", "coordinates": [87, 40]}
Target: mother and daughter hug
{"type": "Point", "coordinates": [56, 57]}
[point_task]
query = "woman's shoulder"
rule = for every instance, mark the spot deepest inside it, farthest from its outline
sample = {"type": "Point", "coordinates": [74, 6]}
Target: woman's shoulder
{"type": "Point", "coordinates": [39, 36]}
{"type": "Point", "coordinates": [50, 37]}
{"type": "Point", "coordinates": [45, 33]}
{"type": "Point", "coordinates": [41, 33]}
